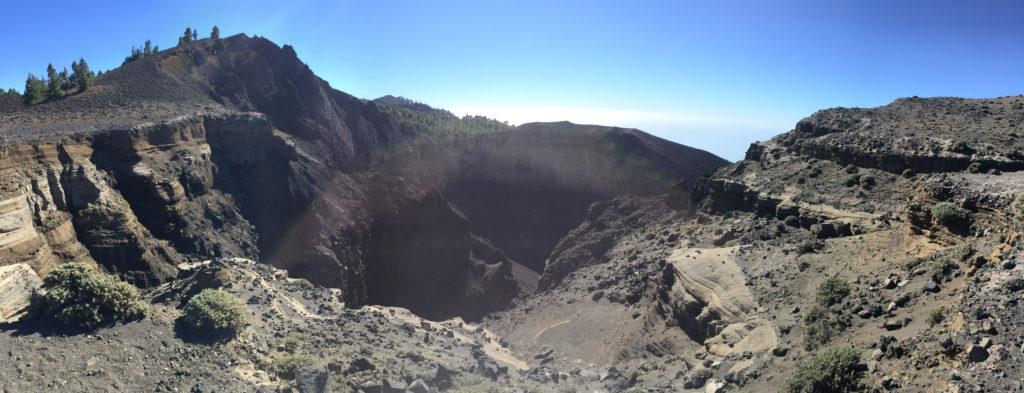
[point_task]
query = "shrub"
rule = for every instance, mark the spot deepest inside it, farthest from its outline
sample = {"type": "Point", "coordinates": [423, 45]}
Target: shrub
{"type": "Point", "coordinates": [832, 291]}
{"type": "Point", "coordinates": [911, 264]}
{"type": "Point", "coordinates": [867, 181]}
{"type": "Point", "coordinates": [935, 316]}
{"type": "Point", "coordinates": [792, 221]}
{"type": "Point", "coordinates": [214, 309]}
{"type": "Point", "coordinates": [941, 267]}
{"type": "Point", "coordinates": [79, 296]}
{"type": "Point", "coordinates": [974, 167]}
{"type": "Point", "coordinates": [292, 341]}
{"type": "Point", "coordinates": [822, 323]}
{"type": "Point", "coordinates": [473, 383]}
{"type": "Point", "coordinates": [851, 169]}
{"type": "Point", "coordinates": [948, 214]}
{"type": "Point", "coordinates": [851, 180]}
{"type": "Point", "coordinates": [807, 247]}
{"type": "Point", "coordinates": [287, 366]}
{"type": "Point", "coordinates": [963, 252]}
{"type": "Point", "coordinates": [835, 370]}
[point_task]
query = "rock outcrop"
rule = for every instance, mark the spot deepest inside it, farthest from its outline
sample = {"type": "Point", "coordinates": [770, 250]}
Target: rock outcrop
{"type": "Point", "coordinates": [18, 283]}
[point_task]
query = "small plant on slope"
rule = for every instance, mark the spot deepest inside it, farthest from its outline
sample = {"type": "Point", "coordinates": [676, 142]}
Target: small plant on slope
{"type": "Point", "coordinates": [214, 309]}
{"type": "Point", "coordinates": [79, 296]}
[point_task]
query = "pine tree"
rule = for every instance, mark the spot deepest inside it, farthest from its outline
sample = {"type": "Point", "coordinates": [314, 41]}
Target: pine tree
{"type": "Point", "coordinates": [147, 50]}
{"type": "Point", "coordinates": [195, 35]}
{"type": "Point", "coordinates": [188, 35]}
{"type": "Point", "coordinates": [35, 90]}
{"type": "Point", "coordinates": [12, 92]}
{"type": "Point", "coordinates": [53, 89]}
{"type": "Point", "coordinates": [85, 78]}
{"type": "Point", "coordinates": [181, 41]}
{"type": "Point", "coordinates": [65, 80]}
{"type": "Point", "coordinates": [215, 34]}
{"type": "Point", "coordinates": [156, 48]}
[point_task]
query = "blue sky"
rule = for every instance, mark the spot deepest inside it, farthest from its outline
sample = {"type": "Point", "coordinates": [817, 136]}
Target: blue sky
{"type": "Point", "coordinates": [712, 74]}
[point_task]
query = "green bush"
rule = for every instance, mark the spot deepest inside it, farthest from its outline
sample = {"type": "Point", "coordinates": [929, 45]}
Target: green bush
{"type": "Point", "coordinates": [851, 169]}
{"type": "Point", "coordinates": [214, 309]}
{"type": "Point", "coordinates": [963, 252]}
{"type": "Point", "coordinates": [974, 167]}
{"type": "Point", "coordinates": [79, 296]}
{"type": "Point", "coordinates": [935, 316]}
{"type": "Point", "coordinates": [851, 180]}
{"type": "Point", "coordinates": [287, 366]}
{"type": "Point", "coordinates": [820, 324]}
{"type": "Point", "coordinates": [835, 370]}
{"type": "Point", "coordinates": [911, 264]}
{"type": "Point", "coordinates": [832, 291]}
{"type": "Point", "coordinates": [947, 214]}
{"type": "Point", "coordinates": [941, 268]}
{"type": "Point", "coordinates": [792, 221]}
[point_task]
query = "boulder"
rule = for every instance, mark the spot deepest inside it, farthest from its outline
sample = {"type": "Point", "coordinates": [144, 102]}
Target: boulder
{"type": "Point", "coordinates": [17, 283]}
{"type": "Point", "coordinates": [313, 379]}
{"type": "Point", "coordinates": [977, 353]}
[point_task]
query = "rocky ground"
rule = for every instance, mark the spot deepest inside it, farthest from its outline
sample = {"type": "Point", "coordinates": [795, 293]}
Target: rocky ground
{"type": "Point", "coordinates": [826, 236]}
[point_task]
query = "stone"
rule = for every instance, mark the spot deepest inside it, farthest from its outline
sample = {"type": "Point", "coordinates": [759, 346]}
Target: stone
{"type": "Point", "coordinates": [17, 283]}
{"type": "Point", "coordinates": [892, 324]}
{"type": "Point", "coordinates": [697, 379]}
{"type": "Point", "coordinates": [985, 342]}
{"type": "Point", "coordinates": [392, 385]}
{"type": "Point", "coordinates": [313, 379]}
{"type": "Point", "coordinates": [889, 283]}
{"type": "Point", "coordinates": [891, 306]}
{"type": "Point", "coordinates": [361, 364]}
{"type": "Point", "coordinates": [930, 286]}
{"type": "Point", "coordinates": [1008, 264]}
{"type": "Point", "coordinates": [780, 351]}
{"type": "Point", "coordinates": [977, 353]}
{"type": "Point", "coordinates": [1015, 284]}
{"type": "Point", "coordinates": [418, 386]}
{"type": "Point", "coordinates": [877, 354]}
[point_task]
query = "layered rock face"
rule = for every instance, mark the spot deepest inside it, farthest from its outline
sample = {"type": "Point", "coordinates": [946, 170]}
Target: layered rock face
{"type": "Point", "coordinates": [234, 148]}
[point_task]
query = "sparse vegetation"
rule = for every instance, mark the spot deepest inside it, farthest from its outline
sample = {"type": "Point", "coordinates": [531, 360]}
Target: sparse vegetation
{"type": "Point", "coordinates": [948, 214]}
{"type": "Point", "coordinates": [473, 383]}
{"type": "Point", "coordinates": [835, 370]}
{"type": "Point", "coordinates": [822, 323]}
{"type": "Point", "coordinates": [963, 252]}
{"type": "Point", "coordinates": [935, 316]}
{"type": "Point", "coordinates": [79, 296]}
{"type": "Point", "coordinates": [292, 341]}
{"type": "Point", "coordinates": [792, 221]}
{"type": "Point", "coordinates": [439, 123]}
{"type": "Point", "coordinates": [851, 180]}
{"type": "Point", "coordinates": [911, 264]}
{"type": "Point", "coordinates": [808, 247]}
{"type": "Point", "coordinates": [287, 366]}
{"type": "Point", "coordinates": [974, 167]}
{"type": "Point", "coordinates": [215, 310]}
{"type": "Point", "coordinates": [867, 182]}
{"type": "Point", "coordinates": [851, 169]}
{"type": "Point", "coordinates": [832, 291]}
{"type": "Point", "coordinates": [941, 267]}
